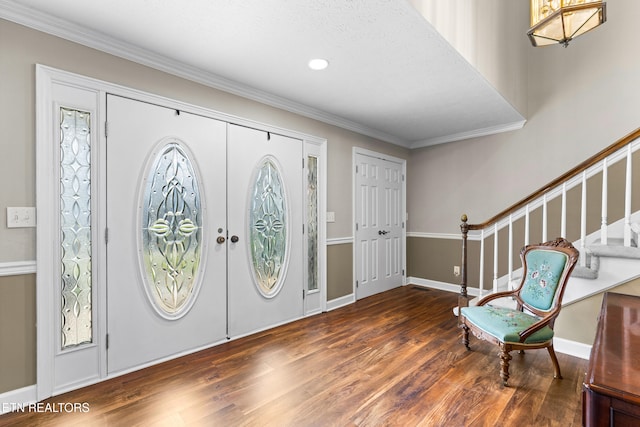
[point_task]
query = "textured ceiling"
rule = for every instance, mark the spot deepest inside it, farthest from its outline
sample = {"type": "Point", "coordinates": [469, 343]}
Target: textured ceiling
{"type": "Point", "coordinates": [391, 75]}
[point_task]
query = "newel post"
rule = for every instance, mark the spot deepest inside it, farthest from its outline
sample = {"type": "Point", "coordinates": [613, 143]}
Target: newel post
{"type": "Point", "coordinates": [463, 299]}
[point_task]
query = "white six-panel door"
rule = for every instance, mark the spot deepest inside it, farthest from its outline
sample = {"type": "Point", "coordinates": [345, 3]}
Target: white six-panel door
{"type": "Point", "coordinates": [379, 224]}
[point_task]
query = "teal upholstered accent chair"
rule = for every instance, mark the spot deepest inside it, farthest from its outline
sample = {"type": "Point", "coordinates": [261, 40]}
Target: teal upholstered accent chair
{"type": "Point", "coordinates": [538, 297]}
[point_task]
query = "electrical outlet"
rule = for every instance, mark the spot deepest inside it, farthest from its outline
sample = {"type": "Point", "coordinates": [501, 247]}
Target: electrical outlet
{"type": "Point", "coordinates": [456, 270]}
{"type": "Point", "coordinates": [21, 217]}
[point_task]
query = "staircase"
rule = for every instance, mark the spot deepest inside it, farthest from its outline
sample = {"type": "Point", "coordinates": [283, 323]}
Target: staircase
{"type": "Point", "coordinates": [607, 266]}
{"type": "Point", "coordinates": [609, 251]}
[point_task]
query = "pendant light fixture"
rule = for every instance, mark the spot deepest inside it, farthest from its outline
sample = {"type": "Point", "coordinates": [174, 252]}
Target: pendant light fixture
{"type": "Point", "coordinates": [560, 21]}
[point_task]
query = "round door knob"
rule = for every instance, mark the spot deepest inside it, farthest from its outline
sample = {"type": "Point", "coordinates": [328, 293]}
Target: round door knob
{"type": "Point", "coordinates": [220, 240]}
{"type": "Point", "coordinates": [234, 239]}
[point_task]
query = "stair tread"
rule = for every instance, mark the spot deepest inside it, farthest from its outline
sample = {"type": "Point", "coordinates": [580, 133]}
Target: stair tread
{"type": "Point", "coordinates": [584, 272]}
{"type": "Point", "coordinates": [618, 251]}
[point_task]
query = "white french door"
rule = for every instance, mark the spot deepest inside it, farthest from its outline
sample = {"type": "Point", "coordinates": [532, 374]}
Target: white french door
{"type": "Point", "coordinates": [166, 273]}
{"type": "Point", "coordinates": [379, 223]}
{"type": "Point", "coordinates": [138, 206]}
{"type": "Point", "coordinates": [265, 229]}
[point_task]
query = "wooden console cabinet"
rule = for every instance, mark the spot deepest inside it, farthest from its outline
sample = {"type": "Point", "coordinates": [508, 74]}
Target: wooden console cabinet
{"type": "Point", "coordinates": [611, 388]}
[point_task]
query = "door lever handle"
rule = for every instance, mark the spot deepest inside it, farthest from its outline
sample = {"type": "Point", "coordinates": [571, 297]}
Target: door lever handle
{"type": "Point", "coordinates": [382, 232]}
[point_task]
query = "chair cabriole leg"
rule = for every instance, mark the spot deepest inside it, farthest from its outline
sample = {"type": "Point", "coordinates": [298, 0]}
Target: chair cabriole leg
{"type": "Point", "coordinates": [556, 365]}
{"type": "Point", "coordinates": [465, 335]}
{"type": "Point", "coordinates": [505, 357]}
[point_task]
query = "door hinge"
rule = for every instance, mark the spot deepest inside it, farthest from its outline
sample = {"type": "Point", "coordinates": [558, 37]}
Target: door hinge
{"type": "Point", "coordinates": [303, 294]}
{"type": "Point", "coordinates": [356, 226]}
{"type": "Point", "coordinates": [106, 129]}
{"type": "Point", "coordinates": [106, 340]}
{"type": "Point", "coordinates": [106, 235]}
{"type": "Point", "coordinates": [303, 163]}
{"type": "Point", "coordinates": [356, 169]}
{"type": "Point", "coordinates": [403, 272]}
{"type": "Point", "coordinates": [302, 228]}
{"type": "Point", "coordinates": [403, 225]}
{"type": "Point", "coordinates": [357, 284]}
{"type": "Point", "coordinates": [402, 177]}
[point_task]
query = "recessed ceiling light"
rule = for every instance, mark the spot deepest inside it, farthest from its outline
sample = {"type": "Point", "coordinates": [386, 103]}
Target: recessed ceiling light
{"type": "Point", "coordinates": [318, 64]}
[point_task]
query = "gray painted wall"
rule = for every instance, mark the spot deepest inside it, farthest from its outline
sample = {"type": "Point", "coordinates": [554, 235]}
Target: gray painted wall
{"type": "Point", "coordinates": [21, 48]}
{"type": "Point", "coordinates": [580, 100]}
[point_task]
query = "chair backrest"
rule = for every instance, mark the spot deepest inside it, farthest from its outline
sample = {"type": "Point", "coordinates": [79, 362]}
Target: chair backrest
{"type": "Point", "coordinates": [546, 269]}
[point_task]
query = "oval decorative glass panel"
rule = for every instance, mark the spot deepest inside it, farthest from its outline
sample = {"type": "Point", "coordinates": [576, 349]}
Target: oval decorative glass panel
{"type": "Point", "coordinates": [171, 235]}
{"type": "Point", "coordinates": [268, 227]}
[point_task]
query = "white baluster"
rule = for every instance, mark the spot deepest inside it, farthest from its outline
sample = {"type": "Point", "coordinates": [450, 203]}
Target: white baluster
{"type": "Point", "coordinates": [605, 189]}
{"type": "Point", "coordinates": [510, 271]}
{"type": "Point", "coordinates": [481, 281]}
{"type": "Point", "coordinates": [627, 199]}
{"type": "Point", "coordinates": [563, 220]}
{"type": "Point", "coordinates": [583, 221]}
{"type": "Point", "coordinates": [526, 225]}
{"type": "Point", "coordinates": [544, 217]}
{"type": "Point", "coordinates": [495, 257]}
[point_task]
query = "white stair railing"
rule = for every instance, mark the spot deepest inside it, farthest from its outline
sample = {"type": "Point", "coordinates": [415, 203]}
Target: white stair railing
{"type": "Point", "coordinates": [578, 176]}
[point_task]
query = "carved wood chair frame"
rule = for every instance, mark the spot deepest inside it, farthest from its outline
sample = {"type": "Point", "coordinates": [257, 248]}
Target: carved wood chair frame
{"type": "Point", "coordinates": [546, 317]}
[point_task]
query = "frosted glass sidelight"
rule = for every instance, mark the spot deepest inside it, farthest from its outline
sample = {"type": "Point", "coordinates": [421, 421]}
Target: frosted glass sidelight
{"type": "Point", "coordinates": [75, 226]}
{"type": "Point", "coordinates": [268, 227]}
{"type": "Point", "coordinates": [171, 231]}
{"type": "Point", "coordinates": [312, 223]}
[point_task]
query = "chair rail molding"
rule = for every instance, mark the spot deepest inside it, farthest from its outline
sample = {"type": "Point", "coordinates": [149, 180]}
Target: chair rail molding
{"type": "Point", "coordinates": [340, 241]}
{"type": "Point", "coordinates": [449, 236]}
{"type": "Point", "coordinates": [17, 268]}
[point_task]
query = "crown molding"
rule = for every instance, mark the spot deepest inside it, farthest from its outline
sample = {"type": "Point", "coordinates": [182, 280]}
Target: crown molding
{"type": "Point", "coordinates": [491, 130]}
{"type": "Point", "coordinates": [37, 20]}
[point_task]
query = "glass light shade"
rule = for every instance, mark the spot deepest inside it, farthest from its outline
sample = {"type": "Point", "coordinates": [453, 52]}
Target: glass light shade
{"type": "Point", "coordinates": [560, 21]}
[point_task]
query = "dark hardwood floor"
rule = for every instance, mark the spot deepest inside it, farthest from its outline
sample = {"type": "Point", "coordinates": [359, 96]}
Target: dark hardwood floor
{"type": "Point", "coordinates": [390, 359]}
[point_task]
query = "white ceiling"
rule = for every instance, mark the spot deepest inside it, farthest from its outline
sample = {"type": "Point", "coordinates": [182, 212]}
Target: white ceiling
{"type": "Point", "coordinates": [391, 75]}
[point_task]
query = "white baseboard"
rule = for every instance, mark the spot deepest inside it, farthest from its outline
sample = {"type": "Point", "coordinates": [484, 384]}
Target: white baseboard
{"type": "Point", "coordinates": [14, 399]}
{"type": "Point", "coordinates": [443, 286]}
{"type": "Point", "coordinates": [572, 348]}
{"type": "Point", "coordinates": [341, 302]}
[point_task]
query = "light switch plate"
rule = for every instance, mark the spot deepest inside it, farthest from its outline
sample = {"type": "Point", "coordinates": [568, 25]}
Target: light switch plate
{"type": "Point", "coordinates": [21, 217]}
{"type": "Point", "coordinates": [331, 217]}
